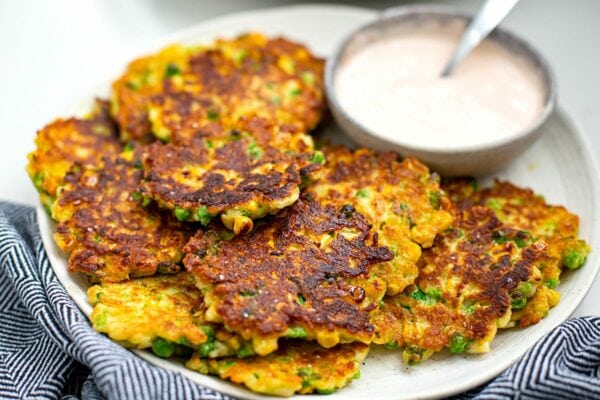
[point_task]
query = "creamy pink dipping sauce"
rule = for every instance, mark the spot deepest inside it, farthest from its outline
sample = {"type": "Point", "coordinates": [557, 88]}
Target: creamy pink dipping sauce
{"type": "Point", "coordinates": [394, 89]}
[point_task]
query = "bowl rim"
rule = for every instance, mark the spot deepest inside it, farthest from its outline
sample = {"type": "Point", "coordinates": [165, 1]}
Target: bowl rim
{"type": "Point", "coordinates": [500, 35]}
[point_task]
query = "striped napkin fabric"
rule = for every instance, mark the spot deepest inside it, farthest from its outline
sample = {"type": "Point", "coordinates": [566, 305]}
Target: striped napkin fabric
{"type": "Point", "coordinates": [48, 349]}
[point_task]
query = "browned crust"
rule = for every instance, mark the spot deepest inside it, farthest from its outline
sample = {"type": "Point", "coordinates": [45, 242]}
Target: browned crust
{"type": "Point", "coordinates": [282, 259]}
{"type": "Point", "coordinates": [215, 82]}
{"type": "Point", "coordinates": [107, 231]}
{"type": "Point", "coordinates": [68, 142]}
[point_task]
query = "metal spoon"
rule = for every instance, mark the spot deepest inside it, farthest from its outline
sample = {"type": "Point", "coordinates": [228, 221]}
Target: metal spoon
{"type": "Point", "coordinates": [488, 17]}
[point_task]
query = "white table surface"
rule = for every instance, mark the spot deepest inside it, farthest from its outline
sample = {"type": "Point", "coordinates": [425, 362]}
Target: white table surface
{"type": "Point", "coordinates": [50, 52]}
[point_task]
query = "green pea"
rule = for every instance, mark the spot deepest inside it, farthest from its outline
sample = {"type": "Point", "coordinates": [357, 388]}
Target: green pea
{"type": "Point", "coordinates": [574, 259]}
{"type": "Point", "coordinates": [296, 332]}
{"type": "Point", "coordinates": [203, 216]}
{"type": "Point", "coordinates": [434, 293]}
{"type": "Point", "coordinates": [205, 348]}
{"type": "Point", "coordinates": [458, 343]}
{"type": "Point", "coordinates": [318, 157]}
{"type": "Point", "coordinates": [163, 348]}
{"type": "Point", "coordinates": [519, 304]}
{"type": "Point", "coordinates": [552, 283]}
{"type": "Point", "coordinates": [209, 332]}
{"type": "Point", "coordinates": [245, 351]}
{"type": "Point", "coordinates": [527, 288]}
{"type": "Point", "coordinates": [182, 214]}
{"type": "Point", "coordinates": [391, 345]}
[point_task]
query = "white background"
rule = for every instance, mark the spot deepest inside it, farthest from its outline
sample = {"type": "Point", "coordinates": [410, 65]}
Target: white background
{"type": "Point", "coordinates": [52, 51]}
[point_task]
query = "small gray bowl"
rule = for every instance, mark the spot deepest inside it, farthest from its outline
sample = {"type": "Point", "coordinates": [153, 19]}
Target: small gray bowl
{"type": "Point", "coordinates": [466, 160]}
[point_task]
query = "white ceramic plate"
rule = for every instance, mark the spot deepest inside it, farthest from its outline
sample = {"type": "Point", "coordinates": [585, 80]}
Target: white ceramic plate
{"type": "Point", "coordinates": [560, 166]}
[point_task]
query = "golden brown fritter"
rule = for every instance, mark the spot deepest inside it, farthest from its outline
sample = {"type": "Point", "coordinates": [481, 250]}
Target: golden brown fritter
{"type": "Point", "coordinates": [525, 210]}
{"type": "Point", "coordinates": [297, 367]}
{"type": "Point", "coordinates": [402, 200]}
{"type": "Point", "coordinates": [180, 92]}
{"type": "Point", "coordinates": [140, 311]}
{"type": "Point", "coordinates": [240, 175]}
{"type": "Point", "coordinates": [70, 142]}
{"type": "Point", "coordinates": [302, 274]}
{"type": "Point", "coordinates": [470, 281]}
{"type": "Point", "coordinates": [162, 312]}
{"type": "Point", "coordinates": [105, 227]}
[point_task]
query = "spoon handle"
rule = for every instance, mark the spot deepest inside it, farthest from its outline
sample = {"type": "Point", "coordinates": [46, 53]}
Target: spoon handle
{"type": "Point", "coordinates": [488, 17]}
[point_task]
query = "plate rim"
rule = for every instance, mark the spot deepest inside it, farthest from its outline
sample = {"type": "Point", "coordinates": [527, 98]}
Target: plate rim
{"type": "Point", "coordinates": [67, 281]}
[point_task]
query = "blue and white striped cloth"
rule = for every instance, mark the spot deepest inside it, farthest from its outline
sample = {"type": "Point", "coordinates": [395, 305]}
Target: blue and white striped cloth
{"type": "Point", "coordinates": [48, 349]}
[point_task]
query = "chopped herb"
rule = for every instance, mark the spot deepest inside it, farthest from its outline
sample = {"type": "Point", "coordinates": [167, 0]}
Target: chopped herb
{"type": "Point", "coordinates": [362, 193]}
{"type": "Point", "coordinates": [520, 242]}
{"type": "Point", "coordinates": [146, 201]}
{"type": "Point", "coordinates": [245, 350]}
{"type": "Point", "coordinates": [301, 299]}
{"type": "Point", "coordinates": [209, 332]}
{"type": "Point", "coordinates": [356, 375]}
{"type": "Point", "coordinates": [212, 115]}
{"type": "Point", "coordinates": [229, 363]}
{"type": "Point", "coordinates": [469, 306]}
{"type": "Point", "coordinates": [295, 92]}
{"type": "Point", "coordinates": [435, 199]}
{"type": "Point", "coordinates": [247, 293]}
{"type": "Point", "coordinates": [133, 85]}
{"type": "Point", "coordinates": [428, 298]}
{"type": "Point", "coordinates": [499, 238]}
{"type": "Point", "coordinates": [308, 77]}
{"type": "Point", "coordinates": [240, 55]}
{"type": "Point", "coordinates": [494, 204]}
{"type": "Point", "coordinates": [136, 196]}
{"type": "Point", "coordinates": [172, 70]}
{"type": "Point", "coordinates": [434, 293]}
{"type": "Point", "coordinates": [412, 355]}
{"type": "Point", "coordinates": [128, 147]}
{"type": "Point", "coordinates": [325, 391]}
{"type": "Point", "coordinates": [255, 151]}
{"type": "Point", "coordinates": [163, 348]}
{"type": "Point", "coordinates": [419, 295]}
{"type": "Point", "coordinates": [38, 181]}
{"type": "Point", "coordinates": [138, 164]}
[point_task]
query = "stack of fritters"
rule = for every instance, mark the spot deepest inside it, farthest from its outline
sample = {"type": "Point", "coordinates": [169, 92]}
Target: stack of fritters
{"type": "Point", "coordinates": [314, 256]}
